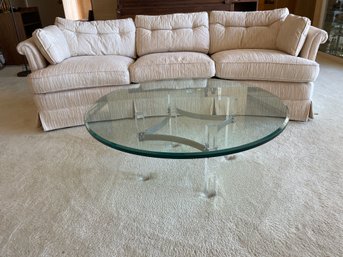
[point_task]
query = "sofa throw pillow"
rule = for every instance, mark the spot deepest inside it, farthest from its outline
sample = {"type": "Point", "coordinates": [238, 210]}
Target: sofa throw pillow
{"type": "Point", "coordinates": [52, 44]}
{"type": "Point", "coordinates": [292, 34]}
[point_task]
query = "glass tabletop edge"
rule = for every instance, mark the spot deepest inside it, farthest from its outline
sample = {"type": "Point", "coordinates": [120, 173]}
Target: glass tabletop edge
{"type": "Point", "coordinates": [191, 155]}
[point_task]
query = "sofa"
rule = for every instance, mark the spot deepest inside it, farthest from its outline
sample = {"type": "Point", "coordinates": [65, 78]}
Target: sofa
{"type": "Point", "coordinates": [74, 63]}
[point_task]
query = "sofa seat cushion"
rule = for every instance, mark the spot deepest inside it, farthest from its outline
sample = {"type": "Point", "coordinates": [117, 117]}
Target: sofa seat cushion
{"type": "Point", "coordinates": [176, 65]}
{"type": "Point", "coordinates": [82, 72]}
{"type": "Point", "coordinates": [267, 65]}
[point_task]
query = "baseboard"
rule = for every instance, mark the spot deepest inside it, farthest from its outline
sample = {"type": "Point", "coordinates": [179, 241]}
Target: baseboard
{"type": "Point", "coordinates": [330, 57]}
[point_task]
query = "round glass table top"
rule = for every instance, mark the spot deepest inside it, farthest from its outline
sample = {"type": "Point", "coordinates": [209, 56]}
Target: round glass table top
{"type": "Point", "coordinates": [195, 118]}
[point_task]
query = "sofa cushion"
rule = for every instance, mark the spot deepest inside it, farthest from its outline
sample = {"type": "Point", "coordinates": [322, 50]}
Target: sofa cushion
{"type": "Point", "coordinates": [107, 37]}
{"type": "Point", "coordinates": [244, 30]}
{"type": "Point", "coordinates": [292, 34]}
{"type": "Point", "coordinates": [51, 43]}
{"type": "Point", "coordinates": [177, 65]}
{"type": "Point", "coordinates": [172, 32]}
{"type": "Point", "coordinates": [175, 84]}
{"type": "Point", "coordinates": [82, 72]}
{"type": "Point", "coordinates": [268, 65]}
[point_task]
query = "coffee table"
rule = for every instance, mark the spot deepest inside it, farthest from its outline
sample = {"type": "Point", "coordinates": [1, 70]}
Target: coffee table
{"type": "Point", "coordinates": [182, 119]}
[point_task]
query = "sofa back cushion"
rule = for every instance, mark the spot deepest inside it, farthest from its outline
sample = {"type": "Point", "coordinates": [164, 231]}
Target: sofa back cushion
{"type": "Point", "coordinates": [107, 37]}
{"type": "Point", "coordinates": [172, 33]}
{"type": "Point", "coordinates": [292, 34]}
{"type": "Point", "coordinates": [245, 30]}
{"type": "Point", "coordinates": [51, 43]}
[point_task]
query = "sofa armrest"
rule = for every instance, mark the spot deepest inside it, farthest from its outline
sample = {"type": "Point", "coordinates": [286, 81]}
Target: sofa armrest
{"type": "Point", "coordinates": [34, 57]}
{"type": "Point", "coordinates": [314, 38]}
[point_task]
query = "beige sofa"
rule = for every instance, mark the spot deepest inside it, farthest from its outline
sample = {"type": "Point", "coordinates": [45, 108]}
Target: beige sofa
{"type": "Point", "coordinates": [74, 63]}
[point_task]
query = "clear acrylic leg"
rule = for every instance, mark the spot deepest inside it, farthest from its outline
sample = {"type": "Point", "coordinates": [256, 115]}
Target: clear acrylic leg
{"type": "Point", "coordinates": [210, 182]}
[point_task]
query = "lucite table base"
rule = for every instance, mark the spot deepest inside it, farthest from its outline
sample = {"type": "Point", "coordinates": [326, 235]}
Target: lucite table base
{"type": "Point", "coordinates": [210, 182]}
{"type": "Point", "coordinates": [209, 178]}
{"type": "Point", "coordinates": [187, 119]}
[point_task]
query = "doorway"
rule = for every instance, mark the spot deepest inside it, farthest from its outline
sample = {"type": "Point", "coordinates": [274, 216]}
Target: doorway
{"type": "Point", "coordinates": [78, 9]}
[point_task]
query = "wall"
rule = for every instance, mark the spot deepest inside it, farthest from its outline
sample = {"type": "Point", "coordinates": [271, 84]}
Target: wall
{"type": "Point", "coordinates": [105, 9]}
{"type": "Point", "coordinates": [48, 10]}
{"type": "Point", "coordinates": [319, 13]}
{"type": "Point", "coordinates": [305, 8]}
{"type": "Point", "coordinates": [314, 9]}
{"type": "Point", "coordinates": [18, 3]}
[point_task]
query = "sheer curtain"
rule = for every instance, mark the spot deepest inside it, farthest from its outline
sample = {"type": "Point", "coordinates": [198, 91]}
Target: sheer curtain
{"type": "Point", "coordinates": [77, 9]}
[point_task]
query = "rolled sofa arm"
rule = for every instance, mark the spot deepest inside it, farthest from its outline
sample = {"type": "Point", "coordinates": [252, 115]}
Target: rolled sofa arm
{"type": "Point", "coordinates": [35, 59]}
{"type": "Point", "coordinates": [314, 38]}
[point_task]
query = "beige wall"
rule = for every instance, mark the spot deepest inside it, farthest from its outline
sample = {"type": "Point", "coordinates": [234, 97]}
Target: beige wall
{"type": "Point", "coordinates": [105, 9]}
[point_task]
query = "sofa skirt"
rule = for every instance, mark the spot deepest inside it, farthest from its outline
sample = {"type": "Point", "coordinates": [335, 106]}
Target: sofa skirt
{"type": "Point", "coordinates": [296, 96]}
{"type": "Point", "coordinates": [68, 108]}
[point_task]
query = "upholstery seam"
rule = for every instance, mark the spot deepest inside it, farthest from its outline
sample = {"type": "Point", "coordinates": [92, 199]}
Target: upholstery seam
{"type": "Point", "coordinates": [191, 28]}
{"type": "Point", "coordinates": [74, 73]}
{"type": "Point", "coordinates": [311, 65]}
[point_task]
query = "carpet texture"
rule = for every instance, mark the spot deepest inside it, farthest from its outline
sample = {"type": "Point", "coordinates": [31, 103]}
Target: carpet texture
{"type": "Point", "coordinates": [64, 194]}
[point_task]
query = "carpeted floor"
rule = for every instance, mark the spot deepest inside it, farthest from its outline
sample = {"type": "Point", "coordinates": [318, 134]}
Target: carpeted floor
{"type": "Point", "coordinates": [64, 194]}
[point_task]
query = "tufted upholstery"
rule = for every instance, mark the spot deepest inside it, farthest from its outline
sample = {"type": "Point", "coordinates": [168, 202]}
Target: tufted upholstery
{"type": "Point", "coordinates": [172, 33]}
{"type": "Point", "coordinates": [110, 37]}
{"type": "Point", "coordinates": [253, 47]}
{"type": "Point", "coordinates": [245, 30]}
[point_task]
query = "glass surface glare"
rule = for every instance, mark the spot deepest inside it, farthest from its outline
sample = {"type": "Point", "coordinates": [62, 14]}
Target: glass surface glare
{"type": "Point", "coordinates": [197, 118]}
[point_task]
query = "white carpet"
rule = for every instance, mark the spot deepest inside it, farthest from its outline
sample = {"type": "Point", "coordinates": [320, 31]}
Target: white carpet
{"type": "Point", "coordinates": [64, 194]}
